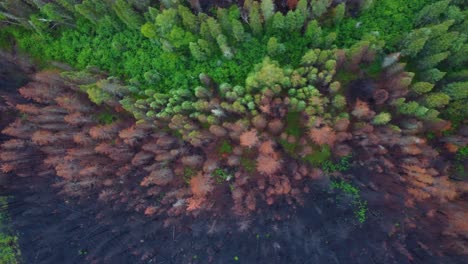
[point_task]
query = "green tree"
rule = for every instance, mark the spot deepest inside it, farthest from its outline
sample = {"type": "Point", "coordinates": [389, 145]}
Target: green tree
{"type": "Point", "coordinates": [436, 100]}
{"type": "Point", "coordinates": [422, 87]}
{"type": "Point", "coordinates": [432, 61]}
{"type": "Point", "coordinates": [339, 13]}
{"type": "Point", "coordinates": [237, 30]}
{"type": "Point", "coordinates": [274, 47]}
{"type": "Point", "coordinates": [268, 10]}
{"type": "Point", "coordinates": [149, 30]}
{"type": "Point", "coordinates": [197, 52]}
{"type": "Point", "coordinates": [278, 23]}
{"type": "Point", "coordinates": [126, 13]}
{"type": "Point", "coordinates": [431, 13]}
{"type": "Point", "coordinates": [189, 20]}
{"type": "Point", "coordinates": [255, 21]}
{"type": "Point", "coordinates": [457, 90]}
{"type": "Point", "coordinates": [414, 42]}
{"type": "Point", "coordinates": [382, 118]}
{"type": "Point", "coordinates": [319, 7]}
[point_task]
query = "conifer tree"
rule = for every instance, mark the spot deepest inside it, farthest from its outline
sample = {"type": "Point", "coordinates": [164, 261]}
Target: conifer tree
{"type": "Point", "coordinates": [255, 21]}
{"type": "Point", "coordinates": [268, 10]}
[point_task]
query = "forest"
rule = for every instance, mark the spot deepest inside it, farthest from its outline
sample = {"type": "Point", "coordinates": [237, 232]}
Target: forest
{"type": "Point", "coordinates": [255, 131]}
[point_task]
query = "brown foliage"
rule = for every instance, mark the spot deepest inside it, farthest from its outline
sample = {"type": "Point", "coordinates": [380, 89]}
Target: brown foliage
{"type": "Point", "coordinates": [275, 126]}
{"type": "Point", "coordinates": [73, 103]}
{"type": "Point", "coordinates": [201, 185]}
{"type": "Point", "coordinates": [259, 122]}
{"type": "Point", "coordinates": [104, 132]}
{"type": "Point", "coordinates": [193, 161]}
{"type": "Point", "coordinates": [218, 131]}
{"type": "Point", "coordinates": [40, 92]}
{"type": "Point", "coordinates": [292, 4]}
{"type": "Point", "coordinates": [162, 176]}
{"type": "Point", "coordinates": [268, 164]}
{"type": "Point", "coordinates": [323, 135]}
{"type": "Point", "coordinates": [19, 129]}
{"type": "Point", "coordinates": [28, 109]}
{"type": "Point", "coordinates": [83, 138]}
{"type": "Point", "coordinates": [14, 144]}
{"type": "Point", "coordinates": [43, 137]}
{"type": "Point", "coordinates": [267, 148]}
{"type": "Point", "coordinates": [77, 119]}
{"type": "Point", "coordinates": [362, 110]}
{"type": "Point", "coordinates": [380, 96]}
{"type": "Point", "coordinates": [133, 135]}
{"type": "Point", "coordinates": [142, 158]}
{"type": "Point", "coordinates": [249, 138]}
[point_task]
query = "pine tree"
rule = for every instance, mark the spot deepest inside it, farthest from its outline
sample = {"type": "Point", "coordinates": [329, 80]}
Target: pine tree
{"type": "Point", "coordinates": [255, 21]}
{"type": "Point", "coordinates": [457, 90]}
{"type": "Point", "coordinates": [432, 61]}
{"type": "Point", "coordinates": [382, 119]}
{"type": "Point", "coordinates": [431, 13]}
{"type": "Point", "coordinates": [436, 100]}
{"type": "Point", "coordinates": [196, 51]}
{"type": "Point", "coordinates": [339, 13]}
{"type": "Point", "coordinates": [414, 42]}
{"type": "Point", "coordinates": [319, 7]}
{"type": "Point", "coordinates": [237, 30]}
{"type": "Point", "coordinates": [88, 9]}
{"type": "Point", "coordinates": [278, 23]}
{"type": "Point", "coordinates": [268, 10]}
{"type": "Point", "coordinates": [149, 30]}
{"type": "Point", "coordinates": [422, 87]}
{"type": "Point", "coordinates": [189, 20]}
{"type": "Point", "coordinates": [274, 47]}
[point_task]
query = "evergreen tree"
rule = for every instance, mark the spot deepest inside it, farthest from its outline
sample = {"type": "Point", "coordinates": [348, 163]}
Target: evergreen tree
{"type": "Point", "coordinates": [339, 13]}
{"type": "Point", "coordinates": [436, 100]}
{"type": "Point", "coordinates": [189, 20]}
{"type": "Point", "coordinates": [255, 21]}
{"type": "Point", "coordinates": [274, 47]}
{"type": "Point", "coordinates": [414, 42]}
{"type": "Point", "coordinates": [319, 7]}
{"type": "Point", "coordinates": [126, 13]}
{"type": "Point", "coordinates": [237, 29]}
{"type": "Point", "coordinates": [268, 10]}
{"type": "Point", "coordinates": [432, 61]}
{"type": "Point", "coordinates": [197, 52]}
{"type": "Point", "coordinates": [422, 87]}
{"type": "Point", "coordinates": [431, 13]}
{"type": "Point", "coordinates": [457, 90]}
{"type": "Point", "coordinates": [278, 23]}
{"type": "Point", "coordinates": [88, 9]}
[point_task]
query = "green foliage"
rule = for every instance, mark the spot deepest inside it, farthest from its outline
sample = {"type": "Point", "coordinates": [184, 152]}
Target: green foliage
{"type": "Point", "coordinates": [248, 164]}
{"type": "Point", "coordinates": [436, 100]}
{"type": "Point", "coordinates": [389, 19]}
{"type": "Point", "coordinates": [422, 87]}
{"type": "Point", "coordinates": [106, 118]}
{"type": "Point", "coordinates": [359, 204]}
{"type": "Point", "coordinates": [221, 175]}
{"type": "Point", "coordinates": [293, 124]}
{"type": "Point", "coordinates": [319, 156]}
{"type": "Point", "coordinates": [188, 174]}
{"type": "Point", "coordinates": [382, 118]}
{"type": "Point", "coordinates": [225, 148]}
{"type": "Point", "coordinates": [9, 248]}
{"type": "Point", "coordinates": [343, 164]}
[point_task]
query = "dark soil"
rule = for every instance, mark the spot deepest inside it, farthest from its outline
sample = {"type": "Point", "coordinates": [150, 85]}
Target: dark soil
{"type": "Point", "coordinates": [57, 230]}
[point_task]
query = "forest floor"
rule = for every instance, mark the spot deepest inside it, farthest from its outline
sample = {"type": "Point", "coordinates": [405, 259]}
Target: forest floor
{"type": "Point", "coordinates": [55, 230]}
